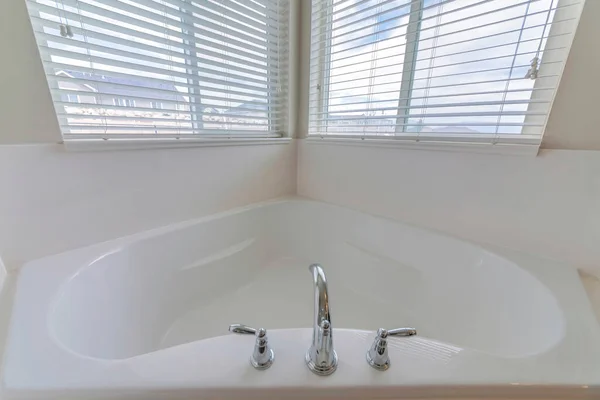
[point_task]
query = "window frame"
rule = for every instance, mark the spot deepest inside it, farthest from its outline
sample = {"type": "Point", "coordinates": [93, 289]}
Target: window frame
{"type": "Point", "coordinates": [131, 142]}
{"type": "Point", "coordinates": [529, 144]}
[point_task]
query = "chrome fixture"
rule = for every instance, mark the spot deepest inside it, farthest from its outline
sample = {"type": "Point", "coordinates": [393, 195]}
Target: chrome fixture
{"type": "Point", "coordinates": [321, 358]}
{"type": "Point", "coordinates": [377, 356]}
{"type": "Point", "coordinates": [263, 355]}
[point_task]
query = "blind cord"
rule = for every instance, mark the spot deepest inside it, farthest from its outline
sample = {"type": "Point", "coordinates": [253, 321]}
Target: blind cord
{"type": "Point", "coordinates": [533, 72]}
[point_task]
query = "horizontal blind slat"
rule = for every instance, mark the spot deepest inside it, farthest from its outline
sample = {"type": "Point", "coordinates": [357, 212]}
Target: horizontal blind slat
{"type": "Point", "coordinates": [450, 43]}
{"type": "Point", "coordinates": [167, 70]}
{"type": "Point", "coordinates": [162, 118]}
{"type": "Point", "coordinates": [441, 66]}
{"type": "Point", "coordinates": [434, 96]}
{"type": "Point", "coordinates": [521, 3]}
{"type": "Point", "coordinates": [258, 22]}
{"type": "Point", "coordinates": [130, 128]}
{"type": "Point", "coordinates": [356, 3]}
{"type": "Point", "coordinates": [252, 90]}
{"type": "Point", "coordinates": [206, 12]}
{"type": "Point", "coordinates": [273, 108]}
{"type": "Point", "coordinates": [158, 36]}
{"type": "Point", "coordinates": [429, 115]}
{"type": "Point", "coordinates": [448, 137]}
{"type": "Point", "coordinates": [430, 106]}
{"type": "Point", "coordinates": [435, 57]}
{"type": "Point", "coordinates": [227, 95]}
{"type": "Point", "coordinates": [172, 45]}
{"type": "Point", "coordinates": [437, 96]}
{"type": "Point", "coordinates": [258, 71]}
{"type": "Point", "coordinates": [382, 3]}
{"type": "Point", "coordinates": [184, 133]}
{"type": "Point", "coordinates": [470, 28]}
{"type": "Point", "coordinates": [451, 124]}
{"type": "Point", "coordinates": [234, 39]}
{"type": "Point", "coordinates": [166, 14]}
{"type": "Point", "coordinates": [447, 85]}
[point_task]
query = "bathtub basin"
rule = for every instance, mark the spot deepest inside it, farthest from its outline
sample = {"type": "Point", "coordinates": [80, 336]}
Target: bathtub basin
{"type": "Point", "coordinates": [148, 314]}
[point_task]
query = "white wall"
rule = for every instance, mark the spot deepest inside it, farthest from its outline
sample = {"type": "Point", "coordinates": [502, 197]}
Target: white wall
{"type": "Point", "coordinates": [26, 110]}
{"type": "Point", "coordinates": [53, 201]}
{"type": "Point", "coordinates": [574, 122]}
{"type": "Point", "coordinates": [547, 205]}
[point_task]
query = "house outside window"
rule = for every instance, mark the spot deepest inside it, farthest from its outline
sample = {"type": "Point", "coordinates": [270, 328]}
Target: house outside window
{"type": "Point", "coordinates": [123, 102]}
{"type": "Point", "coordinates": [73, 98]}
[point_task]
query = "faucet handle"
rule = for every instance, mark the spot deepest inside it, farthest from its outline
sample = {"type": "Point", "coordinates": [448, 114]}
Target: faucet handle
{"type": "Point", "coordinates": [242, 329]}
{"type": "Point", "coordinates": [263, 355]}
{"type": "Point", "coordinates": [377, 355]}
{"type": "Point", "coordinates": [401, 332]}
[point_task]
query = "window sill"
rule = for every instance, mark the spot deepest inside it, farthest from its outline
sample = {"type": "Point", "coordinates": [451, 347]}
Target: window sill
{"type": "Point", "coordinates": [483, 148]}
{"type": "Point", "coordinates": [141, 144]}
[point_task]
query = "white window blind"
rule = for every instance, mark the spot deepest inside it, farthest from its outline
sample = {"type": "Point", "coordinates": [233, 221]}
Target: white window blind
{"type": "Point", "coordinates": [476, 71]}
{"type": "Point", "coordinates": [165, 68]}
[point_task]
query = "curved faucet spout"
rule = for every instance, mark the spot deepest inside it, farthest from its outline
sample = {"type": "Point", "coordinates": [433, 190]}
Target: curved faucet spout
{"type": "Point", "coordinates": [321, 357]}
{"type": "Point", "coordinates": [322, 311]}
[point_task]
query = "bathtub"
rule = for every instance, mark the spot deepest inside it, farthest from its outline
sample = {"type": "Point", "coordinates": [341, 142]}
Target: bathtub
{"type": "Point", "coordinates": [147, 316]}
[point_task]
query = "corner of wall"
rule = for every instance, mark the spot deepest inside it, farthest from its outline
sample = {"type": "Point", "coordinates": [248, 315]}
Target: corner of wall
{"type": "Point", "coordinates": [572, 123]}
{"type": "Point", "coordinates": [26, 109]}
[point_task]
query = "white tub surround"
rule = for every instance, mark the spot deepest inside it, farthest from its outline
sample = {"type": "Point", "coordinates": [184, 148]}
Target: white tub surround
{"type": "Point", "coordinates": [58, 200]}
{"type": "Point", "coordinates": [146, 316]}
{"type": "Point", "coordinates": [547, 205]}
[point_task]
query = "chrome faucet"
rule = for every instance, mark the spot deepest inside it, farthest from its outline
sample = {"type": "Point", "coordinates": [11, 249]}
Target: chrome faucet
{"type": "Point", "coordinates": [377, 356]}
{"type": "Point", "coordinates": [263, 355]}
{"type": "Point", "coordinates": [321, 358]}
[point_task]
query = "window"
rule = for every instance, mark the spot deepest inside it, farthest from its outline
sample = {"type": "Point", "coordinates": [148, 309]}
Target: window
{"type": "Point", "coordinates": [165, 68]}
{"type": "Point", "coordinates": [73, 98]}
{"type": "Point", "coordinates": [437, 70]}
{"type": "Point", "coordinates": [123, 102]}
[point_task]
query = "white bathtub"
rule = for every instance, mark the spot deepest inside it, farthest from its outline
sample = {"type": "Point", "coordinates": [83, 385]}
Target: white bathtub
{"type": "Point", "coordinates": [146, 316]}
